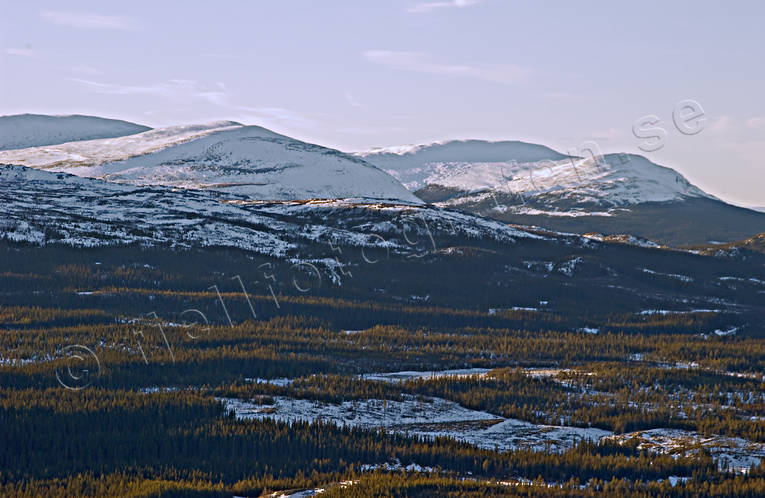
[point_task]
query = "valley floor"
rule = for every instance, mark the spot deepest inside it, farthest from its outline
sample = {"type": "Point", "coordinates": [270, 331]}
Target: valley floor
{"type": "Point", "coordinates": [145, 380]}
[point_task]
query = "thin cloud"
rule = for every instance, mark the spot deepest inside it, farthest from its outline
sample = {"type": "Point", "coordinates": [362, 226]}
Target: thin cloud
{"type": "Point", "coordinates": [176, 89]}
{"type": "Point", "coordinates": [116, 89]}
{"type": "Point", "coordinates": [87, 20]}
{"type": "Point", "coordinates": [721, 125]}
{"type": "Point", "coordinates": [190, 91]}
{"type": "Point", "coordinates": [291, 122]}
{"type": "Point", "coordinates": [278, 115]}
{"type": "Point", "coordinates": [424, 7]}
{"type": "Point", "coordinates": [422, 63]}
{"type": "Point", "coordinates": [20, 52]}
{"type": "Point", "coordinates": [608, 134]}
{"type": "Point", "coordinates": [351, 100]}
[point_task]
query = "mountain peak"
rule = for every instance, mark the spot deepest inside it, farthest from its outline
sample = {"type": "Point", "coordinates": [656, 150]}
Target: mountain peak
{"type": "Point", "coordinates": [223, 156]}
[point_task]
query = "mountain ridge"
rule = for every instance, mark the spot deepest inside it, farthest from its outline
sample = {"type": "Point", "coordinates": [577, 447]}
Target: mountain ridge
{"type": "Point", "coordinates": [511, 181]}
{"type": "Point", "coordinates": [21, 131]}
{"type": "Point", "coordinates": [611, 194]}
{"type": "Point", "coordinates": [386, 249]}
{"type": "Point", "coordinates": [225, 156]}
{"type": "Point", "coordinates": [526, 169]}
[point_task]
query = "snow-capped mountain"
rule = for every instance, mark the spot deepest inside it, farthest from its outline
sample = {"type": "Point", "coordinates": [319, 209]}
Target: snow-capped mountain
{"type": "Point", "coordinates": [473, 169]}
{"type": "Point", "coordinates": [533, 184]}
{"type": "Point", "coordinates": [514, 182]}
{"type": "Point", "coordinates": [222, 156]}
{"type": "Point", "coordinates": [32, 130]}
{"type": "Point", "coordinates": [418, 166]}
{"type": "Point", "coordinates": [73, 155]}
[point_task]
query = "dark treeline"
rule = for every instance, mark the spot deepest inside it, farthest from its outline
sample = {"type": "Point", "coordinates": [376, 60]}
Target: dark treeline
{"type": "Point", "coordinates": [186, 435]}
{"type": "Point", "coordinates": [448, 292]}
{"type": "Point", "coordinates": [293, 346]}
{"type": "Point", "coordinates": [118, 437]}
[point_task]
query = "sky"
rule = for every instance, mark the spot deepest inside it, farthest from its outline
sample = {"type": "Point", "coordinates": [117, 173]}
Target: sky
{"type": "Point", "coordinates": [360, 74]}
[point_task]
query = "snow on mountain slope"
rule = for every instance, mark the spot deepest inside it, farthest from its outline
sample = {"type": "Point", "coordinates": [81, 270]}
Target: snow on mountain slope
{"type": "Point", "coordinates": [418, 165]}
{"type": "Point", "coordinates": [475, 168]}
{"type": "Point", "coordinates": [617, 181]}
{"type": "Point", "coordinates": [71, 155]}
{"type": "Point", "coordinates": [406, 245]}
{"type": "Point", "coordinates": [43, 207]}
{"type": "Point", "coordinates": [247, 160]}
{"type": "Point", "coordinates": [533, 185]}
{"type": "Point", "coordinates": [32, 130]}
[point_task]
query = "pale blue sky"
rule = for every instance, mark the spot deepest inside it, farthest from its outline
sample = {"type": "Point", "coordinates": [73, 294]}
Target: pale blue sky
{"type": "Point", "coordinates": [358, 74]}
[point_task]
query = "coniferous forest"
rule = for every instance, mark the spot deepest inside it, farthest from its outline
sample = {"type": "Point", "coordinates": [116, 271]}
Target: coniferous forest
{"type": "Point", "coordinates": [410, 249]}
{"type": "Point", "coordinates": [125, 376]}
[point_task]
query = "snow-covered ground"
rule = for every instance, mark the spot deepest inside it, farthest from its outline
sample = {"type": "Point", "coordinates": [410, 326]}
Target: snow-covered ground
{"type": "Point", "coordinates": [682, 278]}
{"type": "Point", "coordinates": [224, 156]}
{"type": "Point", "coordinates": [735, 454]}
{"type": "Point", "coordinates": [525, 210]}
{"type": "Point", "coordinates": [742, 279]}
{"type": "Point", "coordinates": [74, 156]}
{"type": "Point", "coordinates": [566, 267]}
{"type": "Point", "coordinates": [672, 312]}
{"type": "Point", "coordinates": [25, 361]}
{"type": "Point", "coordinates": [433, 418]}
{"type": "Point", "coordinates": [262, 164]}
{"type": "Point", "coordinates": [494, 311]}
{"type": "Point", "coordinates": [304, 493]}
{"type": "Point", "coordinates": [431, 374]}
{"type": "Point", "coordinates": [623, 239]}
{"type": "Point", "coordinates": [43, 207]}
{"type": "Point", "coordinates": [281, 382]}
{"type": "Point", "coordinates": [475, 166]}
{"type": "Point", "coordinates": [436, 417]}
{"type": "Point", "coordinates": [461, 163]}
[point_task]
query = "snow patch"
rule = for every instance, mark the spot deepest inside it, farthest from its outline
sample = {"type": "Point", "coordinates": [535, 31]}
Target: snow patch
{"type": "Point", "coordinates": [431, 418]}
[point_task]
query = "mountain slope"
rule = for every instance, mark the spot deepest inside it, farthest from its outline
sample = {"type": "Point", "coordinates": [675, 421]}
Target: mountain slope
{"type": "Point", "coordinates": [752, 244]}
{"type": "Point", "coordinates": [32, 130]}
{"type": "Point", "coordinates": [71, 155]}
{"type": "Point", "coordinates": [417, 166]}
{"type": "Point", "coordinates": [47, 208]}
{"type": "Point", "coordinates": [527, 184]}
{"type": "Point", "coordinates": [224, 156]}
{"type": "Point", "coordinates": [376, 251]}
{"type": "Point", "coordinates": [687, 222]}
